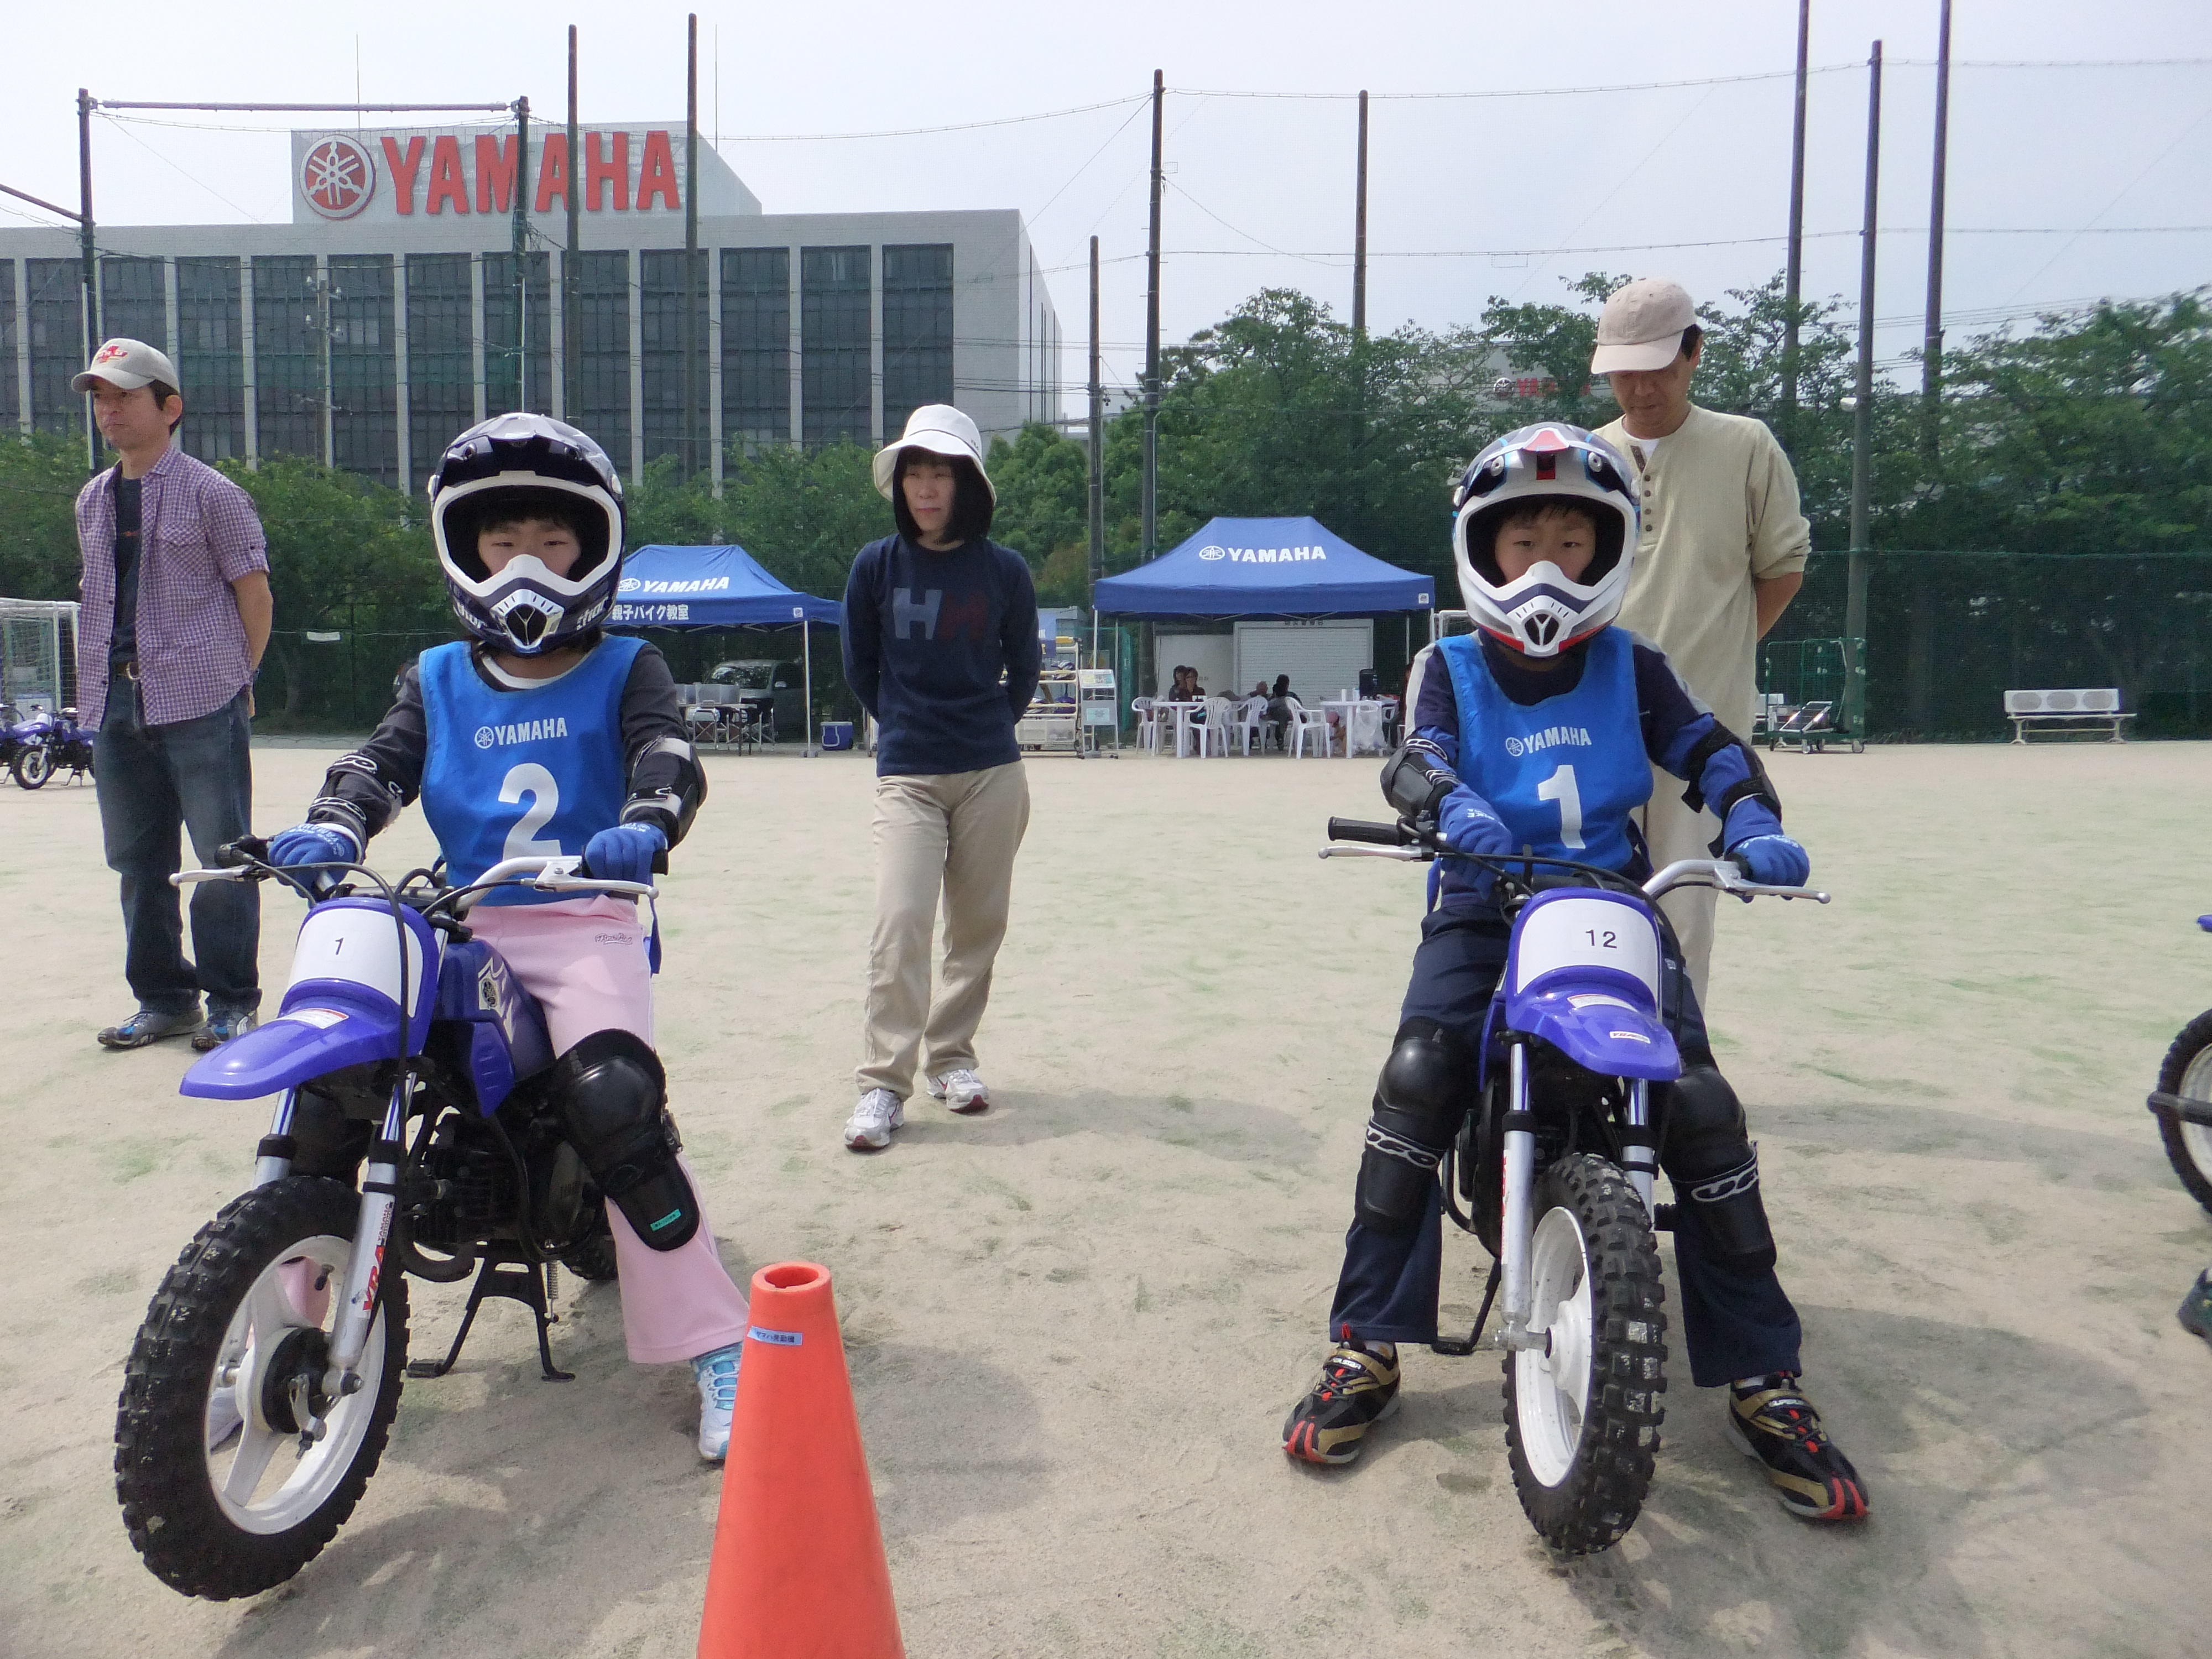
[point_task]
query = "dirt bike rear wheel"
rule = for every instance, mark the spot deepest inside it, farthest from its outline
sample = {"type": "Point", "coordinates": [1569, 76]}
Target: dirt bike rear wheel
{"type": "Point", "coordinates": [222, 1495]}
{"type": "Point", "coordinates": [2188, 1072]}
{"type": "Point", "coordinates": [33, 765]}
{"type": "Point", "coordinates": [1583, 1413]}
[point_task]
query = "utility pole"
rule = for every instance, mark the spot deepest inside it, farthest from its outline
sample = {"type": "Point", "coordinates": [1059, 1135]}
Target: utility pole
{"type": "Point", "coordinates": [521, 252]}
{"type": "Point", "coordinates": [691, 333]}
{"type": "Point", "coordinates": [1097, 506]}
{"type": "Point", "coordinates": [1152, 335]}
{"type": "Point", "coordinates": [1793, 268]}
{"type": "Point", "coordinates": [1931, 348]}
{"type": "Point", "coordinates": [1360, 233]}
{"type": "Point", "coordinates": [572, 341]}
{"type": "Point", "coordinates": [88, 251]}
{"type": "Point", "coordinates": [1855, 602]}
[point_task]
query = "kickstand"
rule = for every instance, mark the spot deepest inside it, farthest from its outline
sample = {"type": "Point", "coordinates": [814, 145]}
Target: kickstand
{"type": "Point", "coordinates": [518, 1280]}
{"type": "Point", "coordinates": [1460, 1350]}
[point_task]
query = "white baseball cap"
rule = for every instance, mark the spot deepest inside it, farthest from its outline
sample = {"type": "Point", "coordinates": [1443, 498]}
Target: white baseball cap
{"type": "Point", "coordinates": [1641, 326]}
{"type": "Point", "coordinates": [942, 430]}
{"type": "Point", "coordinates": [129, 364]}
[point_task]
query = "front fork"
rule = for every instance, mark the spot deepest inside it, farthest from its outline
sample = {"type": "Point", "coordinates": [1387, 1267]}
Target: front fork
{"type": "Point", "coordinates": [1519, 1126]}
{"type": "Point", "coordinates": [379, 1197]}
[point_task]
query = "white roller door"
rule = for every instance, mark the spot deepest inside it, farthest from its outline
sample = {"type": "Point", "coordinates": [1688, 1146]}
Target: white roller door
{"type": "Point", "coordinates": [1322, 658]}
{"type": "Point", "coordinates": [1209, 653]}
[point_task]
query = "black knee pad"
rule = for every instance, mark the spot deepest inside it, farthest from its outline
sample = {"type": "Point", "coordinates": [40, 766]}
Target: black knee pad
{"type": "Point", "coordinates": [1709, 1156]}
{"type": "Point", "coordinates": [1419, 1100]}
{"type": "Point", "coordinates": [612, 1097]}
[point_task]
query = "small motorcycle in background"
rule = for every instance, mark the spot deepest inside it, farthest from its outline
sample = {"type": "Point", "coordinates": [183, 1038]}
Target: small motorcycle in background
{"type": "Point", "coordinates": [46, 744]}
{"type": "Point", "coordinates": [2182, 1102]}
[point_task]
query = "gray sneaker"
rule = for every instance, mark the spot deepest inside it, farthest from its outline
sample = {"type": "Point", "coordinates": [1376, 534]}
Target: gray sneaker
{"type": "Point", "coordinates": [869, 1129]}
{"type": "Point", "coordinates": [960, 1090]}
{"type": "Point", "coordinates": [220, 1027]}
{"type": "Point", "coordinates": [150, 1025]}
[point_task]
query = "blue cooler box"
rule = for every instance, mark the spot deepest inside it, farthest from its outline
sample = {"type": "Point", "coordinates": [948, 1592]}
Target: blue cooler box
{"type": "Point", "coordinates": [836, 734]}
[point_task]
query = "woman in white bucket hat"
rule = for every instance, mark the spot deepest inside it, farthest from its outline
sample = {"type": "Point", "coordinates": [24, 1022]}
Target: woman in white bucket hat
{"type": "Point", "coordinates": [941, 645]}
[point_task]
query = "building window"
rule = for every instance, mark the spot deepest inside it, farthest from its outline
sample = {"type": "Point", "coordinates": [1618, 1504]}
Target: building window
{"type": "Point", "coordinates": [441, 398]}
{"type": "Point", "coordinates": [208, 356]}
{"type": "Point", "coordinates": [57, 331]}
{"type": "Point", "coordinates": [603, 313]}
{"type": "Point", "coordinates": [288, 358]}
{"type": "Point", "coordinates": [756, 346]}
{"type": "Point", "coordinates": [660, 353]}
{"type": "Point", "coordinates": [536, 392]}
{"type": "Point", "coordinates": [10, 414]}
{"type": "Point", "coordinates": [134, 304]}
{"type": "Point", "coordinates": [833, 325]}
{"type": "Point", "coordinates": [917, 329]}
{"type": "Point", "coordinates": [364, 395]}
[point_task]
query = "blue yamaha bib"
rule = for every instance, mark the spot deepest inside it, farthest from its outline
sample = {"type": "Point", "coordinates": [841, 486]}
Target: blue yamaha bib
{"type": "Point", "coordinates": [518, 775]}
{"type": "Point", "coordinates": [1563, 774]}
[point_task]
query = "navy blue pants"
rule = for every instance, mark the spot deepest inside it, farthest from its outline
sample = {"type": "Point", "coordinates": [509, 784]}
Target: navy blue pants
{"type": "Point", "coordinates": [157, 784]}
{"type": "Point", "coordinates": [1735, 1324]}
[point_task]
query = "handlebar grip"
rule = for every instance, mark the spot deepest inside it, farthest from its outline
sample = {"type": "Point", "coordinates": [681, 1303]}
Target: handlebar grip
{"type": "Point", "coordinates": [1375, 835]}
{"type": "Point", "coordinates": [232, 854]}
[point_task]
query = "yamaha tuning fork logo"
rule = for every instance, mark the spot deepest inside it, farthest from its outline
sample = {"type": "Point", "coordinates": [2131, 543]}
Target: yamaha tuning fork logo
{"type": "Point", "coordinates": [338, 176]}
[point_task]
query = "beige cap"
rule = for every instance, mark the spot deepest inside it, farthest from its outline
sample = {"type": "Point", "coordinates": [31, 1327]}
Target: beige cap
{"type": "Point", "coordinates": [1642, 324]}
{"type": "Point", "coordinates": [129, 364]}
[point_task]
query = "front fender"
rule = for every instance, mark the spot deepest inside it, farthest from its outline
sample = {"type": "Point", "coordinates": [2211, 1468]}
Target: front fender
{"type": "Point", "coordinates": [297, 1047]}
{"type": "Point", "coordinates": [1600, 1033]}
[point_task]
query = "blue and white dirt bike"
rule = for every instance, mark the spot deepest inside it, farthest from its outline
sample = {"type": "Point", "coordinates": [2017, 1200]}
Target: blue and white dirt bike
{"type": "Point", "coordinates": [1553, 1170]}
{"type": "Point", "coordinates": [412, 1136]}
{"type": "Point", "coordinates": [45, 744]}
{"type": "Point", "coordinates": [2182, 1102]}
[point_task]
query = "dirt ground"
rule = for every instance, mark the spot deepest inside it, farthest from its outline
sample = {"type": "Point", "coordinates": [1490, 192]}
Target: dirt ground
{"type": "Point", "coordinates": [1075, 1323]}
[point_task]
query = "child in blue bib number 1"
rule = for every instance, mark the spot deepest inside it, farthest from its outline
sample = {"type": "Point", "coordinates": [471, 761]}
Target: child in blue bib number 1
{"type": "Point", "coordinates": [1539, 733]}
{"type": "Point", "coordinates": [537, 736]}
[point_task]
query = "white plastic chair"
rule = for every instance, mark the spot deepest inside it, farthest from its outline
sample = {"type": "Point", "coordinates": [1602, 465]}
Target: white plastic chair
{"type": "Point", "coordinates": [1308, 722]}
{"type": "Point", "coordinates": [1250, 722]}
{"type": "Point", "coordinates": [1148, 723]}
{"type": "Point", "coordinates": [1213, 733]}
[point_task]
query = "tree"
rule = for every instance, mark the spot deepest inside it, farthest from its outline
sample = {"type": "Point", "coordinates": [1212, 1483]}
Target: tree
{"type": "Point", "coordinates": [1043, 480]}
{"type": "Point", "coordinates": [1555, 341]}
{"type": "Point", "coordinates": [804, 513]}
{"type": "Point", "coordinates": [40, 477]}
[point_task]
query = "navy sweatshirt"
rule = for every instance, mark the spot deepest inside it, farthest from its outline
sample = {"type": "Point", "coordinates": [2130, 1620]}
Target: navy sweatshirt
{"type": "Point", "coordinates": [927, 636]}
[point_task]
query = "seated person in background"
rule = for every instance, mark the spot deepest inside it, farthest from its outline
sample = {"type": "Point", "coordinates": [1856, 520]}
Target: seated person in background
{"type": "Point", "coordinates": [1186, 687]}
{"type": "Point", "coordinates": [1280, 701]}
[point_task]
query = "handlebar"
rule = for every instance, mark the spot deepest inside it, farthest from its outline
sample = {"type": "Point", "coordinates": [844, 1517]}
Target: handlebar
{"type": "Point", "coordinates": [1420, 842]}
{"type": "Point", "coordinates": [247, 859]}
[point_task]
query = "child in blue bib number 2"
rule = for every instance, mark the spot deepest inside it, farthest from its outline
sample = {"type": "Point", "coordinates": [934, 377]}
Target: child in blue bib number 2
{"type": "Point", "coordinates": [537, 736]}
{"type": "Point", "coordinates": [1539, 733]}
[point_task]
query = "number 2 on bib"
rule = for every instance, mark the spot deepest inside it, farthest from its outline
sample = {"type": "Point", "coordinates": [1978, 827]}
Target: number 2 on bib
{"type": "Point", "coordinates": [534, 781]}
{"type": "Point", "coordinates": [1561, 788]}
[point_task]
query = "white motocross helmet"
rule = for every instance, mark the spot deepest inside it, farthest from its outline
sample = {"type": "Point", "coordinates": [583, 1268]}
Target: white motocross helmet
{"type": "Point", "coordinates": [521, 462]}
{"type": "Point", "coordinates": [1543, 613]}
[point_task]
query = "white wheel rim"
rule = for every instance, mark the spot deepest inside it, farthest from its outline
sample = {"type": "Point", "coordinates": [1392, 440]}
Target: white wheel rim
{"type": "Point", "coordinates": [2196, 1084]}
{"type": "Point", "coordinates": [1550, 1385]}
{"type": "Point", "coordinates": [263, 1482]}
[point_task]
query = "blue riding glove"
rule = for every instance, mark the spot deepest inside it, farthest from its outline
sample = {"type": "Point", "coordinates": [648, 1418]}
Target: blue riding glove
{"type": "Point", "coordinates": [315, 843]}
{"type": "Point", "coordinates": [1470, 826]}
{"type": "Point", "coordinates": [625, 853]}
{"type": "Point", "coordinates": [1754, 834]}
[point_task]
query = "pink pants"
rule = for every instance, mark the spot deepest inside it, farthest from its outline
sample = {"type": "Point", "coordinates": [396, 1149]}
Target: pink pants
{"type": "Point", "coordinates": [584, 960]}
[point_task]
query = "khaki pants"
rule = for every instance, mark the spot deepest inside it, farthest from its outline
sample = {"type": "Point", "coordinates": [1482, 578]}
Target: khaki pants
{"type": "Point", "coordinates": [1671, 832]}
{"type": "Point", "coordinates": [955, 835]}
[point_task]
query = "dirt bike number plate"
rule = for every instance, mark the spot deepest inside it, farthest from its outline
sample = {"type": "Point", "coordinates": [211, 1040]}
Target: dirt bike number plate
{"type": "Point", "coordinates": [1585, 932]}
{"type": "Point", "coordinates": [356, 945]}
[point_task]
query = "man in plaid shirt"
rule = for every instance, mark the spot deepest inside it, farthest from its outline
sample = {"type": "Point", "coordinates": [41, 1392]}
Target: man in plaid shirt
{"type": "Point", "coordinates": [176, 612]}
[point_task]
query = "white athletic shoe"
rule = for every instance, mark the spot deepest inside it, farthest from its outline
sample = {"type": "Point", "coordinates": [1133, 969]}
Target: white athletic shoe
{"type": "Point", "coordinates": [960, 1090]}
{"type": "Point", "coordinates": [869, 1129]}
{"type": "Point", "coordinates": [717, 1373]}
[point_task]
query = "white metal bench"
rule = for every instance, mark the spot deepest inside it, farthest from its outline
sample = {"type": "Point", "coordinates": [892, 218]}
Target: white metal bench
{"type": "Point", "coordinates": [2068, 711]}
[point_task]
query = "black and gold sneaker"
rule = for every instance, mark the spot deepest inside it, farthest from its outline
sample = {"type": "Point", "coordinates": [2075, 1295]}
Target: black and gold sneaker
{"type": "Point", "coordinates": [1358, 1389]}
{"type": "Point", "coordinates": [1769, 1417]}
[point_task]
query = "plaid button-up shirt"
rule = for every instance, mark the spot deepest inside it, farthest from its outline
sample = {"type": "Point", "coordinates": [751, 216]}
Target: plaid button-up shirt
{"type": "Point", "coordinates": [197, 534]}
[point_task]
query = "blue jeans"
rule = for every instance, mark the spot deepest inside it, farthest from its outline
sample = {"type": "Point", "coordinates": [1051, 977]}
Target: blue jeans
{"type": "Point", "coordinates": [195, 775]}
{"type": "Point", "coordinates": [1735, 1322]}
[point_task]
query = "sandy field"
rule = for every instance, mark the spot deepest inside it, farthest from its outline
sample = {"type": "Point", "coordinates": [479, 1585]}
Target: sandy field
{"type": "Point", "coordinates": [1075, 1324]}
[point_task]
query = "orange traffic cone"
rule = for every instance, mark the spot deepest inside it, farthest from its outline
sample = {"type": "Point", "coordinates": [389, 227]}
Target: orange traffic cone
{"type": "Point", "coordinates": [798, 1570]}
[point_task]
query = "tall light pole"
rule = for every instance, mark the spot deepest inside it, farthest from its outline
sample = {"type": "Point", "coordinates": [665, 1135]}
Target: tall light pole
{"type": "Point", "coordinates": [1854, 601]}
{"type": "Point", "coordinates": [1152, 335]}
{"type": "Point", "coordinates": [1794, 266]}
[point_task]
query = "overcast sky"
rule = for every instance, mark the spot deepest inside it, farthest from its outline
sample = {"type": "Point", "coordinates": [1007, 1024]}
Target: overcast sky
{"type": "Point", "coordinates": [2079, 156]}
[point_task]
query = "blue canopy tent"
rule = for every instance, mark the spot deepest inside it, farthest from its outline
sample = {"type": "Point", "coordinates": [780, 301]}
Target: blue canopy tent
{"type": "Point", "coordinates": [718, 588]}
{"type": "Point", "coordinates": [1263, 568]}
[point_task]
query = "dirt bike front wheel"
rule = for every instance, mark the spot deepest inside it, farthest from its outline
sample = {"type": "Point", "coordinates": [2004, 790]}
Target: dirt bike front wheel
{"type": "Point", "coordinates": [233, 1467]}
{"type": "Point", "coordinates": [33, 765]}
{"type": "Point", "coordinates": [1582, 1412]}
{"type": "Point", "coordinates": [2188, 1072]}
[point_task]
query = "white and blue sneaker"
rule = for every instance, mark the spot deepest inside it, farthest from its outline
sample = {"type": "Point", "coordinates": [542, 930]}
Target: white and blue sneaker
{"type": "Point", "coordinates": [717, 1373]}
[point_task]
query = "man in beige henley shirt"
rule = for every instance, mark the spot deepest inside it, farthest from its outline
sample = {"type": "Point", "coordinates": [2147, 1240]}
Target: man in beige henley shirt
{"type": "Point", "coordinates": [1721, 555]}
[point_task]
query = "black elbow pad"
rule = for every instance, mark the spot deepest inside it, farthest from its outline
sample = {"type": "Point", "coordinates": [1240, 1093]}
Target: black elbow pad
{"type": "Point", "coordinates": [1416, 780]}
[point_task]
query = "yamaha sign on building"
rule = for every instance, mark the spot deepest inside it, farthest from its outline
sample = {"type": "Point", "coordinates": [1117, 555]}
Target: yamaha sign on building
{"type": "Point", "coordinates": [384, 318]}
